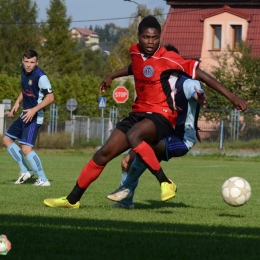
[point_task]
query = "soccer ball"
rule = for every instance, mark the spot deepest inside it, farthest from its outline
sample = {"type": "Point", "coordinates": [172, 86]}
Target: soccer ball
{"type": "Point", "coordinates": [5, 245]}
{"type": "Point", "coordinates": [236, 191]}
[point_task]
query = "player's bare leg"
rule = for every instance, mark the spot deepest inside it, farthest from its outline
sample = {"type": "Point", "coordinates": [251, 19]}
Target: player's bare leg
{"type": "Point", "coordinates": [139, 137]}
{"type": "Point", "coordinates": [124, 194]}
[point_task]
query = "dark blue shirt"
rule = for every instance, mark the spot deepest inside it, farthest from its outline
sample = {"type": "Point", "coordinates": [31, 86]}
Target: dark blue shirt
{"type": "Point", "coordinates": [35, 86]}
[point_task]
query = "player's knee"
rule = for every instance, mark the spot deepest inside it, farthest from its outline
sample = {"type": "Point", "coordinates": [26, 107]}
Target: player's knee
{"type": "Point", "coordinates": [26, 149]}
{"type": "Point", "coordinates": [6, 141]}
{"type": "Point", "coordinates": [133, 138]}
{"type": "Point", "coordinates": [103, 156]}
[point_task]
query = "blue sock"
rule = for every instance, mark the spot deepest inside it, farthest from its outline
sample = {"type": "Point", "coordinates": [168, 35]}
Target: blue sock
{"type": "Point", "coordinates": [36, 165]}
{"type": "Point", "coordinates": [16, 153]}
{"type": "Point", "coordinates": [123, 178]}
{"type": "Point", "coordinates": [136, 170]}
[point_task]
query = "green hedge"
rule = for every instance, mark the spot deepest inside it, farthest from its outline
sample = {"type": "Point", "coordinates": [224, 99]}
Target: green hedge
{"type": "Point", "coordinates": [85, 90]}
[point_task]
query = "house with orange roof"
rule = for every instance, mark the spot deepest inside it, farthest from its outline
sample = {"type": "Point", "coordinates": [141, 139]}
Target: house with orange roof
{"type": "Point", "coordinates": [201, 28]}
{"type": "Point", "coordinates": [88, 36]}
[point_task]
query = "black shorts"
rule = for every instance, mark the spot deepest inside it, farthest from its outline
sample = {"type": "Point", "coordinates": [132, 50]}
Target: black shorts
{"type": "Point", "coordinates": [163, 126]}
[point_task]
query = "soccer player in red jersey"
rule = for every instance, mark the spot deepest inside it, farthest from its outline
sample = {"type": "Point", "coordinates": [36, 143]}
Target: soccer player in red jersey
{"type": "Point", "coordinates": [177, 144]}
{"type": "Point", "coordinates": [152, 117]}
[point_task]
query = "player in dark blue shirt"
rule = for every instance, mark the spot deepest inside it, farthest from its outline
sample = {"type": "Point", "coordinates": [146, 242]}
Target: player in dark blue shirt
{"type": "Point", "coordinates": [36, 94]}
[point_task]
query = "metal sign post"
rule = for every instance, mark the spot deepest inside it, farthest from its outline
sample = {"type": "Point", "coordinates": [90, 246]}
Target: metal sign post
{"type": "Point", "coordinates": [102, 104]}
{"type": "Point", "coordinates": [71, 105]}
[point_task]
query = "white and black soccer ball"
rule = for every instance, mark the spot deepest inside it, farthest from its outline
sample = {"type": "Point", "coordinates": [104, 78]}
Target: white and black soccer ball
{"type": "Point", "coordinates": [236, 191]}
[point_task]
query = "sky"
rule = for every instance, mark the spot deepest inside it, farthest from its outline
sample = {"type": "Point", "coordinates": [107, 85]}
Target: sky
{"type": "Point", "coordinates": [82, 11]}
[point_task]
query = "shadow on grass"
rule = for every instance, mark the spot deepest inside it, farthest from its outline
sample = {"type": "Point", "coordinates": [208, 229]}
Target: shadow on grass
{"type": "Point", "coordinates": [231, 215]}
{"type": "Point", "coordinates": [29, 181]}
{"type": "Point", "coordinates": [158, 204]}
{"type": "Point", "coordinates": [66, 238]}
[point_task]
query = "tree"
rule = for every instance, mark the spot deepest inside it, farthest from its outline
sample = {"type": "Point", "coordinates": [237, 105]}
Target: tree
{"type": "Point", "coordinates": [119, 57]}
{"type": "Point", "coordinates": [240, 73]}
{"type": "Point", "coordinates": [110, 33]}
{"type": "Point", "coordinates": [94, 62]}
{"type": "Point", "coordinates": [58, 54]}
{"type": "Point", "coordinates": [18, 32]}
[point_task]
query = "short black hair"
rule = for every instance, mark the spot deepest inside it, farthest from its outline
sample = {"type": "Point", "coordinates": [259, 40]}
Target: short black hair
{"type": "Point", "coordinates": [149, 22]}
{"type": "Point", "coordinates": [30, 54]}
{"type": "Point", "coordinates": [170, 47]}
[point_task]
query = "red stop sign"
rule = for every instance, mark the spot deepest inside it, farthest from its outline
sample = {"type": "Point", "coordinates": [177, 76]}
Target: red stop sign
{"type": "Point", "coordinates": [120, 94]}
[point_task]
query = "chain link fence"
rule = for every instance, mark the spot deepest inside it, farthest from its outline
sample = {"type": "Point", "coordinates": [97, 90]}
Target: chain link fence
{"type": "Point", "coordinates": [92, 126]}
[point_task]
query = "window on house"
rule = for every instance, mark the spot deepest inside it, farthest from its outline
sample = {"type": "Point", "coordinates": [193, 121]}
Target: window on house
{"type": "Point", "coordinates": [236, 36]}
{"type": "Point", "coordinates": [216, 37]}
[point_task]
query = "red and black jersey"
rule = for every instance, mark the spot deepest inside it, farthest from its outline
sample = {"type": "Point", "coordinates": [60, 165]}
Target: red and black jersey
{"type": "Point", "coordinates": [152, 75]}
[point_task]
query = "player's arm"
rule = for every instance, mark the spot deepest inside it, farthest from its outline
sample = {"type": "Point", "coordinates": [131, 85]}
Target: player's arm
{"type": "Point", "coordinates": [192, 89]}
{"type": "Point", "coordinates": [28, 116]}
{"type": "Point", "coordinates": [200, 96]}
{"type": "Point", "coordinates": [126, 71]}
{"type": "Point", "coordinates": [239, 103]}
{"type": "Point", "coordinates": [15, 106]}
{"type": "Point", "coordinates": [45, 86]}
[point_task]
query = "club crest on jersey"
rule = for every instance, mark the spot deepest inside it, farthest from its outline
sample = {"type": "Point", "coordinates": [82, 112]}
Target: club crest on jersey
{"type": "Point", "coordinates": [30, 82]}
{"type": "Point", "coordinates": [148, 71]}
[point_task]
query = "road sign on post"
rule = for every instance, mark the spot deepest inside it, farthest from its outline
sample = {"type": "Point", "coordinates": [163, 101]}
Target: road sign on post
{"type": "Point", "coordinates": [120, 94]}
{"type": "Point", "coordinates": [102, 101]}
{"type": "Point", "coordinates": [72, 104]}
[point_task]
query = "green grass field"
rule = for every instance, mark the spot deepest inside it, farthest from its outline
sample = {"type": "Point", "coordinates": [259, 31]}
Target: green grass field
{"type": "Point", "coordinates": [197, 224]}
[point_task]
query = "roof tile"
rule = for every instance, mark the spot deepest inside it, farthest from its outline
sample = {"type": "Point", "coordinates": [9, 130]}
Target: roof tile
{"type": "Point", "coordinates": [184, 29]}
{"type": "Point", "coordinates": [84, 32]}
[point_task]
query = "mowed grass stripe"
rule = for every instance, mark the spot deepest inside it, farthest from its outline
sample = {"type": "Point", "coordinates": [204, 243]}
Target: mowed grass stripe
{"type": "Point", "coordinates": [197, 224]}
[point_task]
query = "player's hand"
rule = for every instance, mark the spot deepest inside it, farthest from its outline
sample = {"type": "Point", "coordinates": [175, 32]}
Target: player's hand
{"type": "Point", "coordinates": [201, 97]}
{"type": "Point", "coordinates": [9, 114]}
{"type": "Point", "coordinates": [13, 110]}
{"type": "Point", "coordinates": [105, 84]}
{"type": "Point", "coordinates": [239, 103]}
{"type": "Point", "coordinates": [198, 134]}
{"type": "Point", "coordinates": [28, 115]}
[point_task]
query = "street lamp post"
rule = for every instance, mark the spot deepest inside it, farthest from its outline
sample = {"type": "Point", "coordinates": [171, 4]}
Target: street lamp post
{"type": "Point", "coordinates": [138, 21]}
{"type": "Point", "coordinates": [139, 11]}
